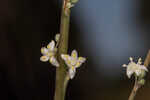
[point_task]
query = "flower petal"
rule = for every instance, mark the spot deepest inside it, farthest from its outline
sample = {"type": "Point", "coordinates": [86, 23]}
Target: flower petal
{"type": "Point", "coordinates": [139, 61]}
{"type": "Point", "coordinates": [124, 65]}
{"type": "Point", "coordinates": [72, 73]}
{"type": "Point", "coordinates": [51, 45]}
{"type": "Point", "coordinates": [143, 67]}
{"type": "Point", "coordinates": [78, 64]}
{"type": "Point", "coordinates": [81, 59]}
{"type": "Point", "coordinates": [68, 63]}
{"type": "Point", "coordinates": [44, 51]}
{"type": "Point", "coordinates": [54, 61]}
{"type": "Point", "coordinates": [131, 59]}
{"type": "Point", "coordinates": [138, 72]}
{"type": "Point", "coordinates": [74, 54]}
{"type": "Point", "coordinates": [65, 57]}
{"type": "Point", "coordinates": [129, 73]}
{"type": "Point", "coordinates": [44, 58]}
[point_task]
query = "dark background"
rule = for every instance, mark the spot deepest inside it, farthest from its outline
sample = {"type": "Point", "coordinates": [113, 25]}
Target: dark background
{"type": "Point", "coordinates": [106, 32]}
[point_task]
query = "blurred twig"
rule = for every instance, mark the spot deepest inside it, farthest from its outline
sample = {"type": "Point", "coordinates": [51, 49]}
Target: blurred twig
{"type": "Point", "coordinates": [134, 91]}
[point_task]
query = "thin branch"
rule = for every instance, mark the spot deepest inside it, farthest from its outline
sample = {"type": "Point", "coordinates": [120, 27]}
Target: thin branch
{"type": "Point", "coordinates": [134, 90]}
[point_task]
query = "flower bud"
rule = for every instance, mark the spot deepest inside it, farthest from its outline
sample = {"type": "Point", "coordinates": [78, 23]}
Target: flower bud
{"type": "Point", "coordinates": [57, 37]}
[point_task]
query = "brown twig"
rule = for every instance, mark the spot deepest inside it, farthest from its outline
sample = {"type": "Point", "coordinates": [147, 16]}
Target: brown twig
{"type": "Point", "coordinates": [147, 60]}
{"type": "Point", "coordinates": [134, 90]}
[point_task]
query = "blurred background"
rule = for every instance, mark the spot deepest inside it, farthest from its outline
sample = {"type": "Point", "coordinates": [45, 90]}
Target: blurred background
{"type": "Point", "coordinates": [106, 32]}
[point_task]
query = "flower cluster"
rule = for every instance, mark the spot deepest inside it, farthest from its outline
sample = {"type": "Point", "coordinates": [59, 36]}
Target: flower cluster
{"type": "Point", "coordinates": [73, 62]}
{"type": "Point", "coordinates": [135, 68]}
{"type": "Point", "coordinates": [49, 52]}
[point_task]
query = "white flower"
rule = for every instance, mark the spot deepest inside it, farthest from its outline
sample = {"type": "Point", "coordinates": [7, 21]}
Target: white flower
{"type": "Point", "coordinates": [73, 62]}
{"type": "Point", "coordinates": [136, 68]}
{"type": "Point", "coordinates": [49, 54]}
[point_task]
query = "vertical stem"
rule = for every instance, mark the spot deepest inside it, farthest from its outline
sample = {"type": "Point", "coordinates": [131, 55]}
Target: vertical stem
{"type": "Point", "coordinates": [61, 72]}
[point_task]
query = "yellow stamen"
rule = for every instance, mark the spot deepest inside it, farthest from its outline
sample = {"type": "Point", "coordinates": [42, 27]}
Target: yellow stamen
{"type": "Point", "coordinates": [48, 46]}
{"type": "Point", "coordinates": [72, 67]}
{"type": "Point", "coordinates": [78, 64]}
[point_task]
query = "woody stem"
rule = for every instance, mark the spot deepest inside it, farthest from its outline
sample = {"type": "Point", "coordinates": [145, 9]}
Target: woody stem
{"type": "Point", "coordinates": [61, 72]}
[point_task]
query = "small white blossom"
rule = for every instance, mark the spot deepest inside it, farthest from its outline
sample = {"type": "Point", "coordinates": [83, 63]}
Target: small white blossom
{"type": "Point", "coordinates": [136, 68]}
{"type": "Point", "coordinates": [49, 54]}
{"type": "Point", "coordinates": [57, 37]}
{"type": "Point", "coordinates": [73, 62]}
